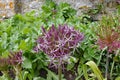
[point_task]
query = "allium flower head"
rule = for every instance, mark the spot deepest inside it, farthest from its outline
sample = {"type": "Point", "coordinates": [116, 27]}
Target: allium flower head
{"type": "Point", "coordinates": [14, 58]}
{"type": "Point", "coordinates": [109, 37]}
{"type": "Point", "coordinates": [58, 42]}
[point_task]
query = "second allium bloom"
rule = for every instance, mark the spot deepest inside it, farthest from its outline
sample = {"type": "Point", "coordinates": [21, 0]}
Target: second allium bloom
{"type": "Point", "coordinates": [58, 42]}
{"type": "Point", "coordinates": [109, 37]}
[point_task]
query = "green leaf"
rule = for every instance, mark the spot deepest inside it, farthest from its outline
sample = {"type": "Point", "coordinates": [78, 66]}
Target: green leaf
{"type": "Point", "coordinates": [71, 61]}
{"type": "Point", "coordinates": [70, 66]}
{"type": "Point", "coordinates": [38, 78]}
{"type": "Point", "coordinates": [95, 69]}
{"type": "Point", "coordinates": [26, 30]}
{"type": "Point", "coordinates": [85, 71]}
{"type": "Point", "coordinates": [52, 76]}
{"type": "Point", "coordinates": [118, 78]}
{"type": "Point", "coordinates": [4, 77]}
{"type": "Point", "coordinates": [23, 45]}
{"type": "Point", "coordinates": [26, 63]}
{"type": "Point", "coordinates": [79, 69]}
{"type": "Point", "coordinates": [24, 75]}
{"type": "Point", "coordinates": [5, 54]}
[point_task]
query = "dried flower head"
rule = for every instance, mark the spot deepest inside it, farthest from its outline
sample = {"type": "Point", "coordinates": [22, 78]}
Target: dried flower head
{"type": "Point", "coordinates": [109, 37]}
{"type": "Point", "coordinates": [59, 42]}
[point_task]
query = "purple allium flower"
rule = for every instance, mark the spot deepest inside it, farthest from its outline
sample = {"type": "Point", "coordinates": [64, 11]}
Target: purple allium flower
{"type": "Point", "coordinates": [110, 38]}
{"type": "Point", "coordinates": [14, 58]}
{"type": "Point", "coordinates": [59, 42]}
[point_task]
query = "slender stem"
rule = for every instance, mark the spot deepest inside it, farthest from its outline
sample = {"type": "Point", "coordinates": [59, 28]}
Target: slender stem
{"type": "Point", "coordinates": [112, 69]}
{"type": "Point", "coordinates": [107, 64]}
{"type": "Point", "coordinates": [59, 72]}
{"type": "Point", "coordinates": [113, 65]}
{"type": "Point", "coordinates": [100, 57]}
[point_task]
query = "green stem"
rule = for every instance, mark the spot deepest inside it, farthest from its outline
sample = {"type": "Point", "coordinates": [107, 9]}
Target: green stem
{"type": "Point", "coordinates": [107, 64]}
{"type": "Point", "coordinates": [60, 72]}
{"type": "Point", "coordinates": [113, 65]}
{"type": "Point", "coordinates": [98, 63]}
{"type": "Point", "coordinates": [100, 57]}
{"type": "Point", "coordinates": [112, 69]}
{"type": "Point", "coordinates": [20, 76]}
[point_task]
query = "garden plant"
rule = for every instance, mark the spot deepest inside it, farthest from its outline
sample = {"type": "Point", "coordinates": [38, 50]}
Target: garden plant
{"type": "Point", "coordinates": [57, 44]}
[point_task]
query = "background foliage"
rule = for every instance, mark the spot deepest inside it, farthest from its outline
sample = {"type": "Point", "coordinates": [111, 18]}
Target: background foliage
{"type": "Point", "coordinates": [21, 31]}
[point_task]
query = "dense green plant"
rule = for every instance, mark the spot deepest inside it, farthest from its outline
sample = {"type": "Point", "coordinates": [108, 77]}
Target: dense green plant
{"type": "Point", "coordinates": [21, 31]}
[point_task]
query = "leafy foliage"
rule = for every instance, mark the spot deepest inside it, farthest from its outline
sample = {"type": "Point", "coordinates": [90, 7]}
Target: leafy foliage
{"type": "Point", "coordinates": [21, 31]}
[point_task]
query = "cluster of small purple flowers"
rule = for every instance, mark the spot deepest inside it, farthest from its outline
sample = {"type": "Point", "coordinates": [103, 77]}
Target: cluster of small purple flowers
{"type": "Point", "coordinates": [15, 58]}
{"type": "Point", "coordinates": [58, 42]}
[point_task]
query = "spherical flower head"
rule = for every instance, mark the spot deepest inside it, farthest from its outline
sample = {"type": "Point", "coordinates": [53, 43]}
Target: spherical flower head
{"type": "Point", "coordinates": [109, 38]}
{"type": "Point", "coordinates": [59, 42]}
